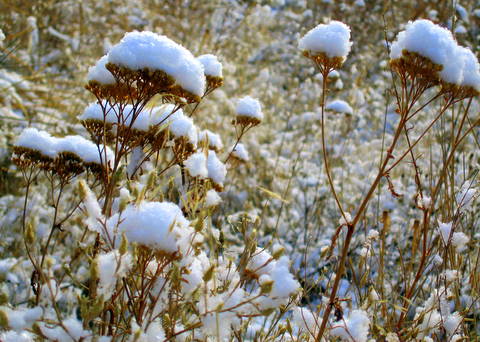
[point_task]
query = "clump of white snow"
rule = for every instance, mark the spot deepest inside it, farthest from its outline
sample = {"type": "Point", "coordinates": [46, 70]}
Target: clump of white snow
{"type": "Point", "coordinates": [212, 198]}
{"type": "Point", "coordinates": [214, 141]}
{"type": "Point", "coordinates": [196, 165]}
{"type": "Point", "coordinates": [240, 152]}
{"type": "Point", "coordinates": [111, 266]}
{"type": "Point", "coordinates": [355, 327]}
{"type": "Point", "coordinates": [332, 39]}
{"type": "Point", "coordinates": [339, 106]}
{"type": "Point", "coordinates": [249, 107]}
{"type": "Point", "coordinates": [99, 72]}
{"type": "Point", "coordinates": [217, 171]}
{"type": "Point", "coordinates": [159, 225]}
{"type": "Point", "coordinates": [211, 65]}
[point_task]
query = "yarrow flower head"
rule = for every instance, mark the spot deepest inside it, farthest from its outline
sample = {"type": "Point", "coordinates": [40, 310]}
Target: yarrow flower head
{"type": "Point", "coordinates": [327, 44]}
{"type": "Point", "coordinates": [430, 52]}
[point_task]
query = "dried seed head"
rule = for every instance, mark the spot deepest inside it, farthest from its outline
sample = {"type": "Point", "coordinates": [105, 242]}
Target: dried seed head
{"type": "Point", "coordinates": [213, 82]}
{"type": "Point", "coordinates": [323, 62]}
{"type": "Point", "coordinates": [412, 65]}
{"type": "Point", "coordinates": [246, 121]}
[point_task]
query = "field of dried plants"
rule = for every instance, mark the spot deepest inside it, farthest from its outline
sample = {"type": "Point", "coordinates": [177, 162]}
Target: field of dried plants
{"type": "Point", "coordinates": [227, 170]}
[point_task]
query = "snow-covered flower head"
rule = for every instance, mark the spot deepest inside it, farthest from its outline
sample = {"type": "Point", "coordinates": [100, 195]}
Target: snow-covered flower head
{"type": "Point", "coordinates": [327, 44]}
{"type": "Point", "coordinates": [152, 63]}
{"type": "Point", "coordinates": [213, 71]}
{"type": "Point", "coordinates": [429, 50]}
{"type": "Point", "coordinates": [249, 111]}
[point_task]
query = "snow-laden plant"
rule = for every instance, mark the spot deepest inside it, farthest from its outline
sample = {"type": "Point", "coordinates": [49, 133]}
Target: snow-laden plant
{"type": "Point", "coordinates": [429, 65]}
{"type": "Point", "coordinates": [147, 263]}
{"type": "Point", "coordinates": [276, 185]}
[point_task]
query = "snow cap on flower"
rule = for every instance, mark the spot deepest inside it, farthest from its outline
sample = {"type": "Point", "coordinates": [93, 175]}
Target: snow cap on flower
{"type": "Point", "coordinates": [332, 40]}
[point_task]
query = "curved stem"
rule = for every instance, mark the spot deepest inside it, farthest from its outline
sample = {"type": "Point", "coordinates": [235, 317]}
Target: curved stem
{"type": "Point", "coordinates": [324, 145]}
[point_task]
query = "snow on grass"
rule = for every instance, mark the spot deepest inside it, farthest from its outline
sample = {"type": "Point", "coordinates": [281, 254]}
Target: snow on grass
{"type": "Point", "coordinates": [113, 115]}
{"type": "Point", "coordinates": [214, 141]}
{"type": "Point", "coordinates": [217, 171]}
{"type": "Point", "coordinates": [355, 327]}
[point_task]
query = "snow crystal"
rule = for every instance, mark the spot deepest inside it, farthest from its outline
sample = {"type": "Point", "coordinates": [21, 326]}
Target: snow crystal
{"type": "Point", "coordinates": [355, 327]}
{"type": "Point", "coordinates": [211, 65]}
{"type": "Point", "coordinates": [339, 106]}
{"type": "Point", "coordinates": [139, 50]}
{"type": "Point", "coordinates": [99, 72]}
{"type": "Point", "coordinates": [196, 165]}
{"type": "Point", "coordinates": [332, 39]}
{"type": "Point", "coordinates": [249, 107]}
